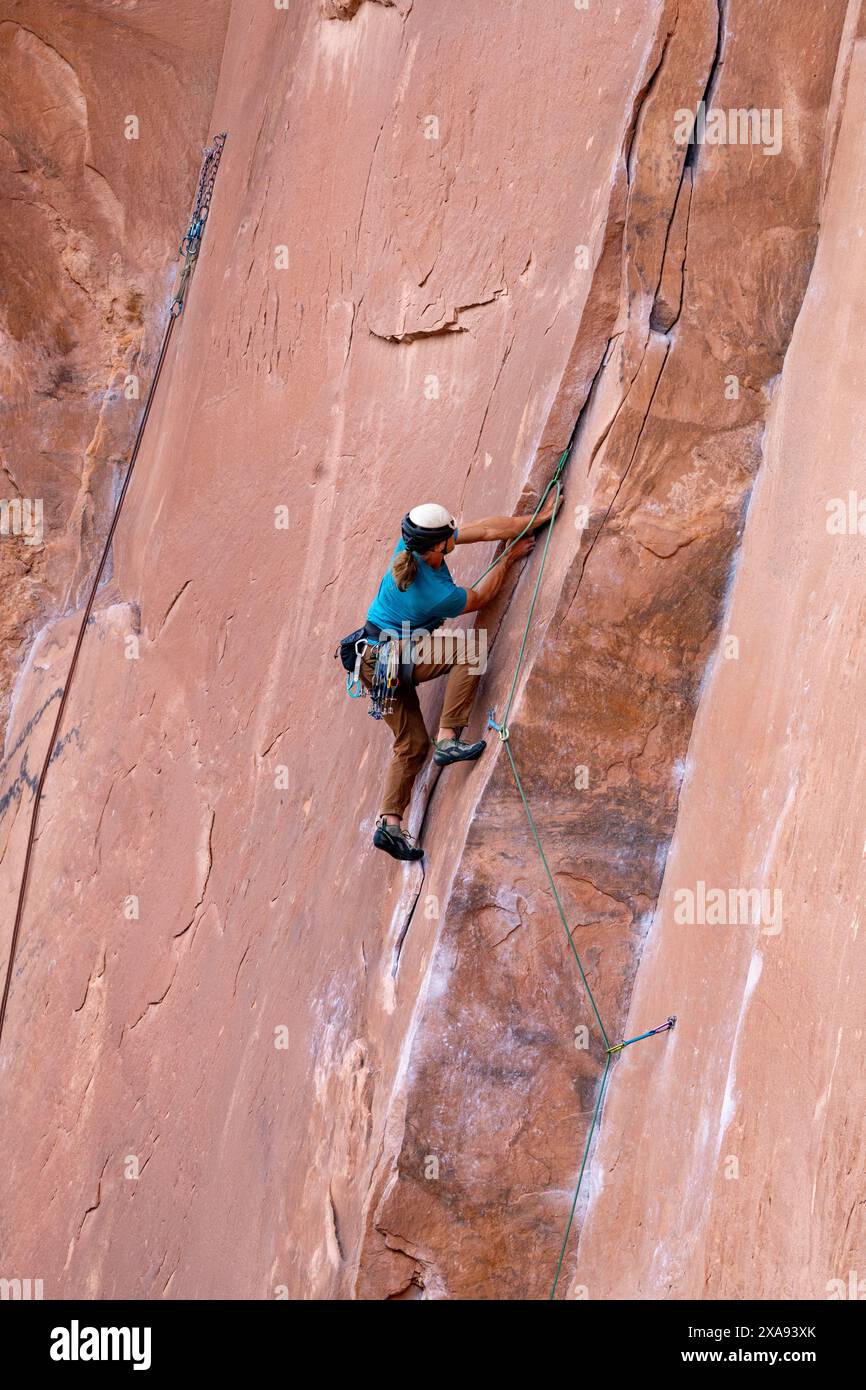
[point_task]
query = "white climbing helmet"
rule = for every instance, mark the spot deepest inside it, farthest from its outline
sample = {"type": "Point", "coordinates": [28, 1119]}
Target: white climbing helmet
{"type": "Point", "coordinates": [430, 517]}
{"type": "Point", "coordinates": [426, 526]}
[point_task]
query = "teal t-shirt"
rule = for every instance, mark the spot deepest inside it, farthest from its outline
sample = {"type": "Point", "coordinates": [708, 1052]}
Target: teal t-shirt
{"type": "Point", "coordinates": [429, 600]}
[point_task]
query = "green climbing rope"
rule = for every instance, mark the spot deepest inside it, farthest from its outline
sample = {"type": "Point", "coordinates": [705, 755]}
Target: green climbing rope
{"type": "Point", "coordinates": [502, 729]}
{"type": "Point", "coordinates": [589, 1134]}
{"type": "Point", "coordinates": [555, 480]}
{"type": "Point", "coordinates": [556, 897]}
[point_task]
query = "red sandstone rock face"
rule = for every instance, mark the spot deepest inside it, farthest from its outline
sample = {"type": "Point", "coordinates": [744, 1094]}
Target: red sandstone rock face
{"type": "Point", "coordinates": [664, 464]}
{"type": "Point", "coordinates": [334, 1076]}
{"type": "Point", "coordinates": [90, 221]}
{"type": "Point", "coordinates": [748, 1120]}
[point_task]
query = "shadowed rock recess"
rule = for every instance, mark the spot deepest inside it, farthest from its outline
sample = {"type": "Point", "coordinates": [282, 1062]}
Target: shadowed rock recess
{"type": "Point", "coordinates": [245, 1054]}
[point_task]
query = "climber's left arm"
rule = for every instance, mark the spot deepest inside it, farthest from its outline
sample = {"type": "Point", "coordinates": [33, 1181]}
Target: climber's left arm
{"type": "Point", "coordinates": [502, 528]}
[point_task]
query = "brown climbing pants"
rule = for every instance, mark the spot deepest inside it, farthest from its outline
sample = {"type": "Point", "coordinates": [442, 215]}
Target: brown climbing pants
{"type": "Point", "coordinates": [411, 740]}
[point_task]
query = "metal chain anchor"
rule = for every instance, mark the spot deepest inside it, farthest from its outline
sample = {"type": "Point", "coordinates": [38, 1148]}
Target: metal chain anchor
{"type": "Point", "coordinates": [191, 244]}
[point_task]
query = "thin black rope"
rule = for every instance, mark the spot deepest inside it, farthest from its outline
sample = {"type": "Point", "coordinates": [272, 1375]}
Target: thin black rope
{"type": "Point", "coordinates": [64, 698]}
{"type": "Point", "coordinates": [190, 247]}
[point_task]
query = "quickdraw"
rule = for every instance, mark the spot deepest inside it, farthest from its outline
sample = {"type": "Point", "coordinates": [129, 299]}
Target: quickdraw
{"type": "Point", "coordinates": [662, 1028]}
{"type": "Point", "coordinates": [354, 685]}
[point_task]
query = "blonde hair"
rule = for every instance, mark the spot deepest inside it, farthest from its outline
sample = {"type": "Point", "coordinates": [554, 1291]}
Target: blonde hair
{"type": "Point", "coordinates": [404, 569]}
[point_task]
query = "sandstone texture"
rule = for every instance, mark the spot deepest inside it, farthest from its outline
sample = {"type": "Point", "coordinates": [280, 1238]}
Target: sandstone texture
{"type": "Point", "coordinates": [90, 220]}
{"type": "Point", "coordinates": [765, 1067]}
{"type": "Point", "coordinates": [245, 1054]}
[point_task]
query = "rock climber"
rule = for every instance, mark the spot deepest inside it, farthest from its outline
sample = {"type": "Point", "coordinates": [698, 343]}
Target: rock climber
{"type": "Point", "coordinates": [418, 591]}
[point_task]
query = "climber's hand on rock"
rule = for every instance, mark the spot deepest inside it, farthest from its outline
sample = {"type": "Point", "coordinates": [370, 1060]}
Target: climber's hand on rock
{"type": "Point", "coordinates": [521, 548]}
{"type": "Point", "coordinates": [489, 585]}
{"type": "Point", "coordinates": [546, 513]}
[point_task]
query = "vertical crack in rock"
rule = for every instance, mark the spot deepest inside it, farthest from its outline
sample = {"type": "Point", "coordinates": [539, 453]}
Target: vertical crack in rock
{"type": "Point", "coordinates": [441, 1067]}
{"type": "Point", "coordinates": [714, 76]}
{"type": "Point", "coordinates": [633, 436]}
{"type": "Point", "coordinates": [334, 1226]}
{"type": "Point", "coordinates": [669, 24]}
{"type": "Point", "coordinates": [668, 301]}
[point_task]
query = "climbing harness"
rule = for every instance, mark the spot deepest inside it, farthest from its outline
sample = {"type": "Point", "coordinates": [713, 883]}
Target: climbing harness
{"type": "Point", "coordinates": [395, 663]}
{"type": "Point", "coordinates": [501, 727]}
{"type": "Point", "coordinates": [189, 248]}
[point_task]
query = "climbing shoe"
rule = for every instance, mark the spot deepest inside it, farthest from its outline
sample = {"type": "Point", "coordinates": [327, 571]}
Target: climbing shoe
{"type": "Point", "coordinates": [454, 750]}
{"type": "Point", "coordinates": [394, 841]}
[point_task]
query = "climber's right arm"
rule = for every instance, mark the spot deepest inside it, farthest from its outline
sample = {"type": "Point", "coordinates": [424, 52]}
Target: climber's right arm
{"type": "Point", "coordinates": [502, 528]}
